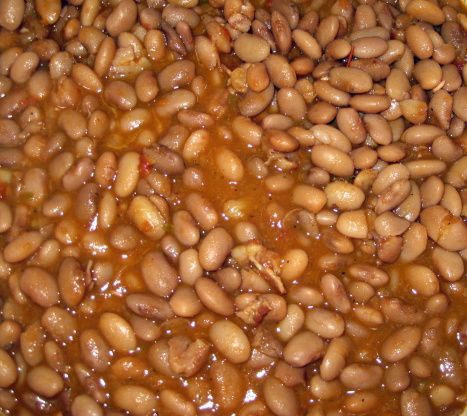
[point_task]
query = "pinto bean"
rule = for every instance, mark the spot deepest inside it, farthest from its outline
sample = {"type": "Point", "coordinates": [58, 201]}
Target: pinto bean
{"type": "Point", "coordinates": [414, 403]}
{"type": "Point", "coordinates": [230, 340]}
{"type": "Point", "coordinates": [117, 332]}
{"type": "Point", "coordinates": [332, 160]}
{"type": "Point", "coordinates": [122, 18]}
{"type": "Point", "coordinates": [401, 343]}
{"type": "Point", "coordinates": [251, 48]}
{"type": "Point", "coordinates": [303, 348]}
{"type": "Point", "coordinates": [158, 274]}
{"type": "Point", "coordinates": [444, 228]}
{"type": "Point", "coordinates": [361, 376]}
{"type": "Point", "coordinates": [324, 323]}
{"type": "Point", "coordinates": [213, 297]}
{"type": "Point", "coordinates": [350, 80]}
{"type": "Point", "coordinates": [214, 248]}
{"type": "Point", "coordinates": [280, 399]}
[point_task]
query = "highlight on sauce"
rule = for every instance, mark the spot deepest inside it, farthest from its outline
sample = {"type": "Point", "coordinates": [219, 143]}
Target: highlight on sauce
{"type": "Point", "coordinates": [233, 207]}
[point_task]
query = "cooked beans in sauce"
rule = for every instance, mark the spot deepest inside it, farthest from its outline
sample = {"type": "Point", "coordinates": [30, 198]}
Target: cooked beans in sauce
{"type": "Point", "coordinates": [233, 207]}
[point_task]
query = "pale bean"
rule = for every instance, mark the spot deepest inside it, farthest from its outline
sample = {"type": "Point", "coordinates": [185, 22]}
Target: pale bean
{"type": "Point", "coordinates": [40, 286]}
{"type": "Point", "coordinates": [414, 403]}
{"type": "Point", "coordinates": [117, 332]}
{"type": "Point", "coordinates": [426, 11]}
{"type": "Point", "coordinates": [23, 246]}
{"type": "Point", "coordinates": [421, 134]}
{"type": "Point", "coordinates": [449, 264]}
{"type": "Point", "coordinates": [84, 405]}
{"type": "Point", "coordinates": [94, 350]}
{"type": "Point", "coordinates": [254, 103]}
{"type": "Point", "coordinates": [185, 229]}
{"type": "Point", "coordinates": [456, 175]}
{"type": "Point", "coordinates": [159, 275]}
{"type": "Point", "coordinates": [321, 113]}
{"type": "Point", "coordinates": [331, 136]}
{"type": "Point", "coordinates": [202, 210]}
{"type": "Point", "coordinates": [350, 80]}
{"type": "Point", "coordinates": [23, 67]}
{"type": "Point", "coordinates": [361, 402]}
{"type": "Point", "coordinates": [372, 104]}
{"type": "Point", "coordinates": [327, 30]}
{"type": "Point", "coordinates": [344, 195]}
{"type": "Point", "coordinates": [213, 297]}
{"type": "Point", "coordinates": [419, 41]}
{"type": "Point", "coordinates": [335, 358]}
{"type": "Point", "coordinates": [178, 74]}
{"type": "Point", "coordinates": [460, 103]}
{"type": "Point", "coordinates": [332, 160]}
{"type": "Point", "coordinates": [401, 343]}
{"type": "Point", "coordinates": [176, 403]}
{"type": "Point", "coordinates": [251, 48]}
{"type": "Point", "coordinates": [292, 322]}
{"type": "Point", "coordinates": [44, 381]}
{"type": "Point", "coordinates": [307, 43]}
{"type": "Point", "coordinates": [303, 349]}
{"type": "Point", "coordinates": [388, 175]}
{"type": "Point", "coordinates": [184, 302]}
{"type": "Point", "coordinates": [309, 197]}
{"type": "Point", "coordinates": [280, 399]}
{"type": "Point", "coordinates": [122, 18]}
{"type": "Point", "coordinates": [86, 78]}
{"type": "Point", "coordinates": [230, 340]}
{"type": "Point", "coordinates": [353, 224]}
{"type": "Point", "coordinates": [361, 376]}
{"type": "Point", "coordinates": [8, 369]}
{"type": "Point", "coordinates": [229, 164]}
{"type": "Point", "coordinates": [369, 47]}
{"type": "Point", "coordinates": [59, 323]}
{"type": "Point", "coordinates": [127, 174]}
{"type": "Point", "coordinates": [247, 131]}
{"type": "Point", "coordinates": [326, 324]}
{"type": "Point", "coordinates": [428, 73]}
{"type": "Point", "coordinates": [396, 377]}
{"type": "Point", "coordinates": [214, 248]}
{"type": "Point", "coordinates": [326, 92]}
{"type": "Point", "coordinates": [148, 217]}
{"type": "Point", "coordinates": [11, 14]}
{"type": "Point", "coordinates": [291, 103]}
{"type": "Point", "coordinates": [294, 264]}
{"type": "Point", "coordinates": [425, 167]}
{"type": "Point", "coordinates": [172, 102]}
{"type": "Point", "coordinates": [136, 400]}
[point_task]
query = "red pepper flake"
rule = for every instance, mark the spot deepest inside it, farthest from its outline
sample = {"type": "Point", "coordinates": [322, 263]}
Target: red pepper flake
{"type": "Point", "coordinates": [459, 64]}
{"type": "Point", "coordinates": [283, 235]}
{"type": "Point", "coordinates": [144, 166]}
{"type": "Point", "coordinates": [28, 101]}
{"type": "Point", "coordinates": [350, 57]}
{"type": "Point", "coordinates": [3, 190]}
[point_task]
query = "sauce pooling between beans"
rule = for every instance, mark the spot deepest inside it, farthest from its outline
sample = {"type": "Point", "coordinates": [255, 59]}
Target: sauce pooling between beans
{"type": "Point", "coordinates": [232, 208]}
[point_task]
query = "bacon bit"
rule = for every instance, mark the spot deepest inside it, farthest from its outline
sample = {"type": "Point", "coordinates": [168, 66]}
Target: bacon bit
{"type": "Point", "coordinates": [254, 313]}
{"type": "Point", "coordinates": [350, 57]}
{"type": "Point", "coordinates": [266, 263]}
{"type": "Point", "coordinates": [144, 166]}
